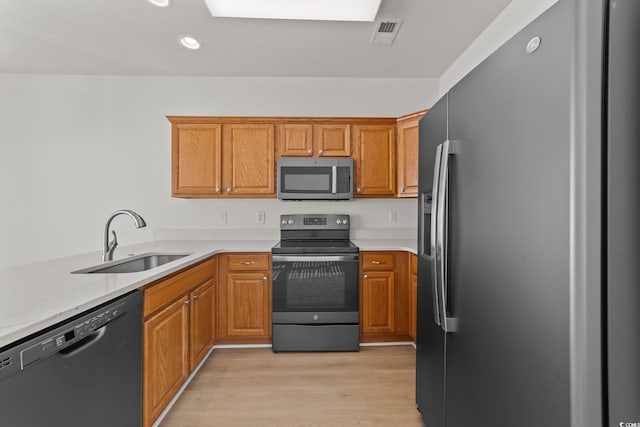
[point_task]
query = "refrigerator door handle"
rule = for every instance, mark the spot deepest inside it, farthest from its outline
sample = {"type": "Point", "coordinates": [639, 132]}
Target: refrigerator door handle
{"type": "Point", "coordinates": [448, 324]}
{"type": "Point", "coordinates": [434, 242]}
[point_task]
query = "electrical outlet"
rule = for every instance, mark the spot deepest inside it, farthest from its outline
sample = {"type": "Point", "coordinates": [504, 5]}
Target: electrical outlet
{"type": "Point", "coordinates": [260, 217]}
{"type": "Point", "coordinates": [222, 218]}
{"type": "Point", "coordinates": [393, 217]}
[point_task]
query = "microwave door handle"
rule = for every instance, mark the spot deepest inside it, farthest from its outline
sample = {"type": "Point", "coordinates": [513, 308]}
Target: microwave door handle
{"type": "Point", "coordinates": [334, 179]}
{"type": "Point", "coordinates": [434, 237]}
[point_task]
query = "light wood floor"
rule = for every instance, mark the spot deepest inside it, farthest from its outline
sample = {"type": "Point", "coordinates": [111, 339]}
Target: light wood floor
{"type": "Point", "coordinates": [257, 388]}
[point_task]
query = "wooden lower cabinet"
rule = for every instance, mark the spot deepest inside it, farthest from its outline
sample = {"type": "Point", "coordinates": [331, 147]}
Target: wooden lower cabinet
{"type": "Point", "coordinates": [384, 295]}
{"type": "Point", "coordinates": [179, 329]}
{"type": "Point", "coordinates": [202, 322]}
{"type": "Point", "coordinates": [378, 302]}
{"type": "Point", "coordinates": [166, 357]}
{"type": "Point", "coordinates": [244, 299]}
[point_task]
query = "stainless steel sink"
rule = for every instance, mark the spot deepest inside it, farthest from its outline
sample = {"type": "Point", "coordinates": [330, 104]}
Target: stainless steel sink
{"type": "Point", "coordinates": [133, 264]}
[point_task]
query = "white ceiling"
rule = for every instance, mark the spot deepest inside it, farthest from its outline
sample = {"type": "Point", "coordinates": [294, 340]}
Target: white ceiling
{"type": "Point", "coordinates": [132, 37]}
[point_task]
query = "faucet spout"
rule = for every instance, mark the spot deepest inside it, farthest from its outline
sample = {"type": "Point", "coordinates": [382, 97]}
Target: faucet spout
{"type": "Point", "coordinates": [110, 246]}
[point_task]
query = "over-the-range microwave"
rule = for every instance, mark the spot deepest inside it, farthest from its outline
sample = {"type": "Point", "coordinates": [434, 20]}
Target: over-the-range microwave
{"type": "Point", "coordinates": [306, 178]}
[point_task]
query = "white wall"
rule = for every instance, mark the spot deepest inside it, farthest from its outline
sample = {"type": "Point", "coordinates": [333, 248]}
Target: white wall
{"type": "Point", "coordinates": [513, 18]}
{"type": "Point", "coordinates": [76, 148]}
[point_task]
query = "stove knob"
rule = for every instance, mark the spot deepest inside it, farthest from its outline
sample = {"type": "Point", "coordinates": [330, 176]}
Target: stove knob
{"type": "Point", "coordinates": [338, 221]}
{"type": "Point", "coordinates": [290, 222]}
{"type": "Point", "coordinates": [284, 222]}
{"type": "Point", "coordinates": [345, 221]}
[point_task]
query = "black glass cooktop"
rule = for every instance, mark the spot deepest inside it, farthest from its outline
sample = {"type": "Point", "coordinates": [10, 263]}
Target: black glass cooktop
{"type": "Point", "coordinates": [314, 246]}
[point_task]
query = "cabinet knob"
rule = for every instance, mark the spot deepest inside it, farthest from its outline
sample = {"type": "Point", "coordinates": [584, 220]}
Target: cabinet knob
{"type": "Point", "coordinates": [217, 189]}
{"type": "Point", "coordinates": [320, 152]}
{"type": "Point", "coordinates": [402, 190]}
{"type": "Point", "coordinates": [358, 190]}
{"type": "Point", "coordinates": [228, 189]}
{"type": "Point", "coordinates": [309, 151]}
{"type": "Point", "coordinates": [186, 302]}
{"type": "Point", "coordinates": [196, 296]}
{"type": "Point", "coordinates": [366, 276]}
{"type": "Point", "coordinates": [264, 278]}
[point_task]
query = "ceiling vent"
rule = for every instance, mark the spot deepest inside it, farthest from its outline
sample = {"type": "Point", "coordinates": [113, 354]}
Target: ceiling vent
{"type": "Point", "coordinates": [385, 31]}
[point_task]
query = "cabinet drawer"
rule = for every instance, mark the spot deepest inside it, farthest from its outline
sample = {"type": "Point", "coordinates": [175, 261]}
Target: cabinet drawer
{"type": "Point", "coordinates": [378, 261]}
{"type": "Point", "coordinates": [413, 264]}
{"type": "Point", "coordinates": [159, 295]}
{"type": "Point", "coordinates": [248, 262]}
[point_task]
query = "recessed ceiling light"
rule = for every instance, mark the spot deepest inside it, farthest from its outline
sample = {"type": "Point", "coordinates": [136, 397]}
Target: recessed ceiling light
{"type": "Point", "coordinates": [160, 3]}
{"type": "Point", "coordinates": [325, 10]}
{"type": "Point", "coordinates": [189, 42]}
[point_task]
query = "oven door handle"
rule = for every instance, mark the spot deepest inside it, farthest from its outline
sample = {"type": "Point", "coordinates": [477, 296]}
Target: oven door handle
{"type": "Point", "coordinates": [313, 258]}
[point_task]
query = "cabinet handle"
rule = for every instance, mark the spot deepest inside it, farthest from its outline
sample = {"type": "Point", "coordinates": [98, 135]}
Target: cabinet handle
{"type": "Point", "coordinates": [320, 152]}
{"type": "Point", "coordinates": [247, 262]}
{"type": "Point", "coordinates": [402, 190]}
{"type": "Point", "coordinates": [359, 190]}
{"type": "Point", "coordinates": [377, 262]}
{"type": "Point", "coordinates": [196, 296]}
{"type": "Point", "coordinates": [309, 151]}
{"type": "Point", "coordinates": [366, 276]}
{"type": "Point", "coordinates": [228, 189]}
{"type": "Point", "coordinates": [217, 189]}
{"type": "Point", "coordinates": [264, 277]}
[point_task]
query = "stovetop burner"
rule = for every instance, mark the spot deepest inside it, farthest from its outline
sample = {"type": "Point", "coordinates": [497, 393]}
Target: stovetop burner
{"type": "Point", "coordinates": [314, 233]}
{"type": "Point", "coordinates": [315, 246]}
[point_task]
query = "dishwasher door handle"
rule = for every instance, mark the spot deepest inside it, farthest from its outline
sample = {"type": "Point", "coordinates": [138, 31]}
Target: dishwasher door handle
{"type": "Point", "coordinates": [84, 343]}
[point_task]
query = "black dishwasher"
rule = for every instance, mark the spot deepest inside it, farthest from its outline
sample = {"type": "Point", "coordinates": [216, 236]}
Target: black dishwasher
{"type": "Point", "coordinates": [85, 371]}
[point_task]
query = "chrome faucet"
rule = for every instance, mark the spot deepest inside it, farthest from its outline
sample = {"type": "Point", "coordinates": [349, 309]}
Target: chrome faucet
{"type": "Point", "coordinates": [110, 246]}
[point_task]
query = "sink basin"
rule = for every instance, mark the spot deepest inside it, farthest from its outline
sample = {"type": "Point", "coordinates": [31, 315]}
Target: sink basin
{"type": "Point", "coordinates": [134, 264]}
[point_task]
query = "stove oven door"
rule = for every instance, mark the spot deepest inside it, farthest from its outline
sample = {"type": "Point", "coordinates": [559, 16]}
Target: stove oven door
{"type": "Point", "coordinates": [315, 302]}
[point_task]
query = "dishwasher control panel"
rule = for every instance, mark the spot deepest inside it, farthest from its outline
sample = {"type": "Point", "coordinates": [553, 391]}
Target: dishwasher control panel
{"type": "Point", "coordinates": [82, 329]}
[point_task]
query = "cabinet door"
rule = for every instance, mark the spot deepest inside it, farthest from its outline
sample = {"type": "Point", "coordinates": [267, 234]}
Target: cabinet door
{"type": "Point", "coordinates": [249, 165]}
{"type": "Point", "coordinates": [375, 160]}
{"type": "Point", "coordinates": [295, 140]}
{"type": "Point", "coordinates": [413, 305]}
{"type": "Point", "coordinates": [378, 292]}
{"type": "Point", "coordinates": [332, 140]}
{"type": "Point", "coordinates": [408, 158]}
{"type": "Point", "coordinates": [202, 321]}
{"type": "Point", "coordinates": [197, 160]}
{"type": "Point", "coordinates": [166, 357]}
{"type": "Point", "coordinates": [248, 310]}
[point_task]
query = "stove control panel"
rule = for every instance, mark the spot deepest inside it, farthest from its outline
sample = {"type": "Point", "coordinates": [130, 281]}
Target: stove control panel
{"type": "Point", "coordinates": [314, 222]}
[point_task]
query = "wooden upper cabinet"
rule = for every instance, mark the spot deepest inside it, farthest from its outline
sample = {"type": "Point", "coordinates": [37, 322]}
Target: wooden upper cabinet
{"type": "Point", "coordinates": [408, 155]}
{"type": "Point", "coordinates": [197, 160]}
{"type": "Point", "coordinates": [375, 165]}
{"type": "Point", "coordinates": [248, 160]}
{"type": "Point", "coordinates": [332, 140]}
{"type": "Point", "coordinates": [314, 140]}
{"type": "Point", "coordinates": [295, 140]}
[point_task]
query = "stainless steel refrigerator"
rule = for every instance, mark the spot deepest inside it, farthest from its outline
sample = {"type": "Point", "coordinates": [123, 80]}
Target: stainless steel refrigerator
{"type": "Point", "coordinates": [529, 243]}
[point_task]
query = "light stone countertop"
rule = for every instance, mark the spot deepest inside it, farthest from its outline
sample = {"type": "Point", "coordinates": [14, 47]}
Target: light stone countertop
{"type": "Point", "coordinates": [36, 296]}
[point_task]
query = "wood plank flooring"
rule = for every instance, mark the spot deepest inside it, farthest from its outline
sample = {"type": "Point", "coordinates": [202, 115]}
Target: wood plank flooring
{"type": "Point", "coordinates": [259, 388]}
